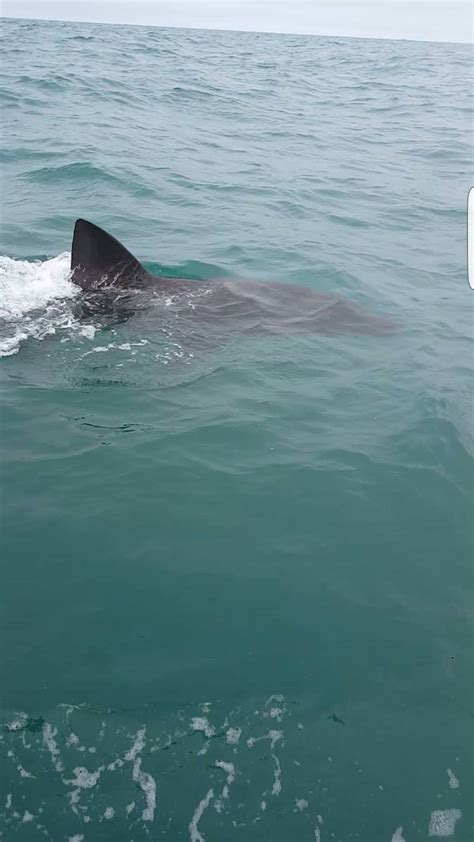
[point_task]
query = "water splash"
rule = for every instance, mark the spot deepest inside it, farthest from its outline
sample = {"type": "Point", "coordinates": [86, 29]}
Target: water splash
{"type": "Point", "coordinates": [35, 300]}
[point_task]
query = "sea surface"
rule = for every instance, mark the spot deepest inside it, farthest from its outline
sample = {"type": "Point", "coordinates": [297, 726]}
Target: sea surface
{"type": "Point", "coordinates": [236, 582]}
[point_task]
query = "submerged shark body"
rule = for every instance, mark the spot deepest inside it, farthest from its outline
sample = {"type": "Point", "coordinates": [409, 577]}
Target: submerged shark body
{"type": "Point", "coordinates": [113, 279]}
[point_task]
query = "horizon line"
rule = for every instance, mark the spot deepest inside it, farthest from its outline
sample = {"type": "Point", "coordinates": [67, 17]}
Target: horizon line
{"type": "Point", "coordinates": [237, 31]}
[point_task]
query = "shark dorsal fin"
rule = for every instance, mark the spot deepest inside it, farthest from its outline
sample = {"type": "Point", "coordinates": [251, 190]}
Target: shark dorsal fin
{"type": "Point", "coordinates": [98, 259]}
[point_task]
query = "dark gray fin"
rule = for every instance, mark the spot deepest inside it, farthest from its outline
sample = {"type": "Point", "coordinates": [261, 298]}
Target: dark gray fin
{"type": "Point", "coordinates": [99, 260]}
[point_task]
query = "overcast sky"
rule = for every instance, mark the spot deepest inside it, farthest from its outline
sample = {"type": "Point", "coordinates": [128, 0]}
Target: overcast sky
{"type": "Point", "coordinates": [428, 20]}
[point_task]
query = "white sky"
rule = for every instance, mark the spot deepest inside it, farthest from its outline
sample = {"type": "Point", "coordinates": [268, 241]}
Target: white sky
{"type": "Point", "coordinates": [427, 20]}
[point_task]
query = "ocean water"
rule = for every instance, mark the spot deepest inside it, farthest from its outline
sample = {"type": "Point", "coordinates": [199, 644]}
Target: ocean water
{"type": "Point", "coordinates": [236, 581]}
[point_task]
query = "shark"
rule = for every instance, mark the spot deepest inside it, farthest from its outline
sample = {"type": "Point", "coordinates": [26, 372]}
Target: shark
{"type": "Point", "coordinates": [113, 280]}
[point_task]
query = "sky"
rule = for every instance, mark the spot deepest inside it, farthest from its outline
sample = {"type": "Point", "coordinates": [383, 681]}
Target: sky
{"type": "Point", "coordinates": [425, 20]}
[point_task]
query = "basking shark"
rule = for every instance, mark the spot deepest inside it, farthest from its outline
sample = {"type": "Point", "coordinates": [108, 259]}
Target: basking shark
{"type": "Point", "coordinates": [114, 281]}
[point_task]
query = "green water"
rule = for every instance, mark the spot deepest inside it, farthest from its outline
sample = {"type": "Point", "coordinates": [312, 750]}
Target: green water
{"type": "Point", "coordinates": [236, 597]}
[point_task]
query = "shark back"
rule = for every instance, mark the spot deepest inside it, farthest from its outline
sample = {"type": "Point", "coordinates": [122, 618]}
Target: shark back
{"type": "Point", "coordinates": [99, 260]}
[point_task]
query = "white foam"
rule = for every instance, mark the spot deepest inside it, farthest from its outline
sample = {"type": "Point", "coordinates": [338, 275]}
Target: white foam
{"type": "Point", "coordinates": [200, 723]}
{"type": "Point", "coordinates": [230, 769]}
{"type": "Point", "coordinates": [274, 737]}
{"type": "Point", "coordinates": [111, 346]}
{"type": "Point", "coordinates": [301, 804]}
{"type": "Point", "coordinates": [88, 331]}
{"type": "Point", "coordinates": [233, 735]}
{"type": "Point", "coordinates": [127, 346]}
{"type": "Point", "coordinates": [194, 833]}
{"type": "Point", "coordinates": [109, 813]}
{"type": "Point", "coordinates": [23, 772]}
{"type": "Point", "coordinates": [74, 800]}
{"type": "Point", "coordinates": [276, 788]}
{"type": "Point", "coordinates": [32, 299]}
{"type": "Point", "coordinates": [442, 822]}
{"type": "Point", "coordinates": [27, 286]}
{"type": "Point", "coordinates": [275, 707]}
{"type": "Point", "coordinates": [137, 746]}
{"type": "Point", "coordinates": [145, 781]}
{"type": "Point", "coordinates": [147, 784]}
{"type": "Point", "coordinates": [85, 779]}
{"type": "Point", "coordinates": [203, 750]}
{"type": "Point", "coordinates": [398, 835]}
{"type": "Point", "coordinates": [453, 781]}
{"type": "Point", "coordinates": [49, 741]}
{"type": "Point", "coordinates": [18, 723]}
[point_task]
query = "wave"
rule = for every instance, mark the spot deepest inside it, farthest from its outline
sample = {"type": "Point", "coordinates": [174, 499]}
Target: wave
{"type": "Point", "coordinates": [76, 171]}
{"type": "Point", "coordinates": [35, 300]}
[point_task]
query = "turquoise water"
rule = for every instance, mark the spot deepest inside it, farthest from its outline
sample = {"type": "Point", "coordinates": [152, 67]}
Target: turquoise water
{"type": "Point", "coordinates": [236, 582]}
